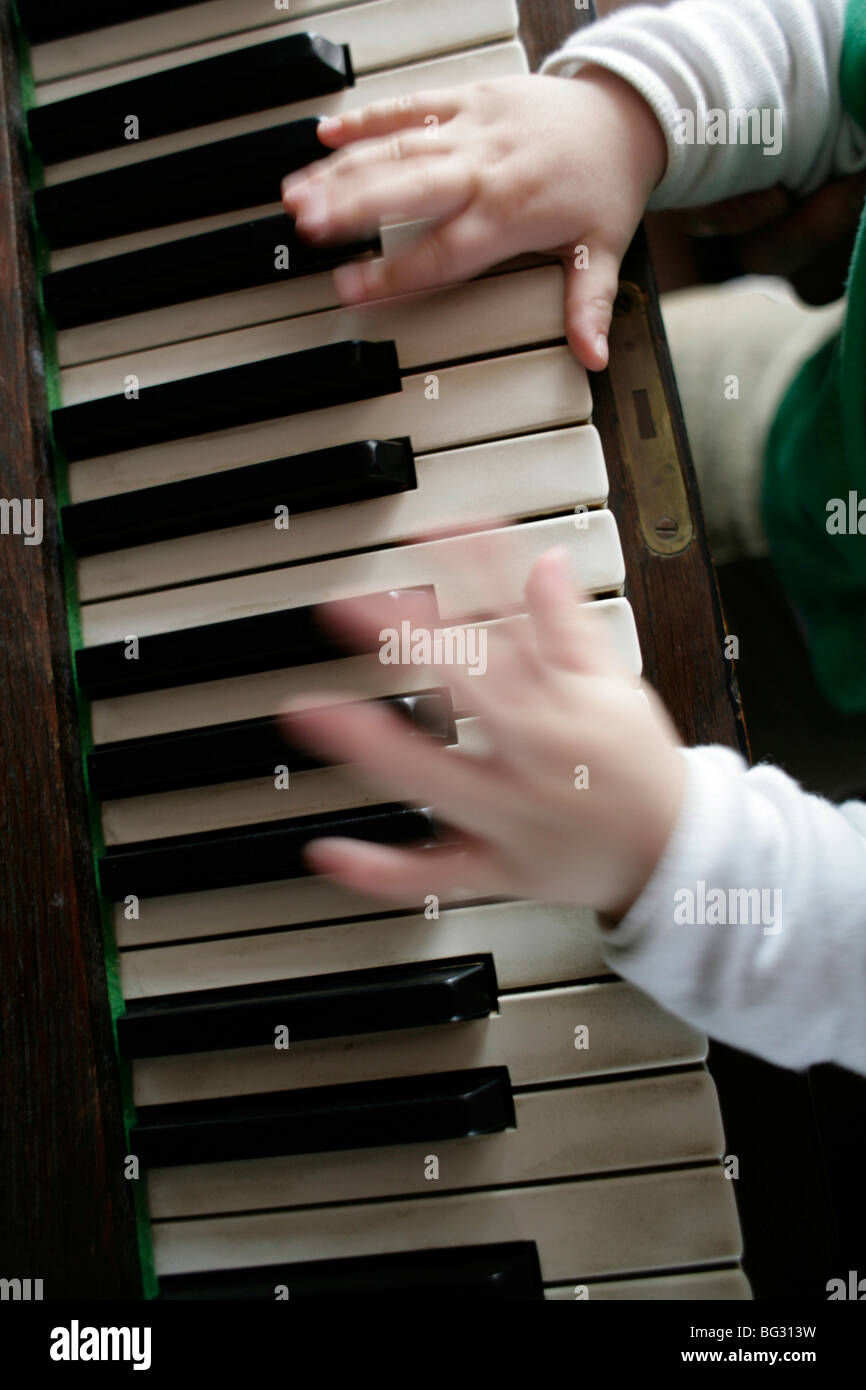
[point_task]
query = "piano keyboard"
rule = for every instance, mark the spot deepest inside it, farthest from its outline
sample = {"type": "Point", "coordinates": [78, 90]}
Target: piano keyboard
{"type": "Point", "coordinates": [331, 1095]}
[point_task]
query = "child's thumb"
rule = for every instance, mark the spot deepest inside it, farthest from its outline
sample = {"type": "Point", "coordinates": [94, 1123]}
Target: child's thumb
{"type": "Point", "coordinates": [590, 289]}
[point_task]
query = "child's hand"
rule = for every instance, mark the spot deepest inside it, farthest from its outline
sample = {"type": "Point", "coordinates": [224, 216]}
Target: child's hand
{"type": "Point", "coordinates": [503, 167]}
{"type": "Point", "coordinates": [552, 701]}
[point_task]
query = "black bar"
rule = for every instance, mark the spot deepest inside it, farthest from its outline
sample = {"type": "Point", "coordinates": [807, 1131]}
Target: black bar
{"type": "Point", "coordinates": [266, 390]}
{"type": "Point", "coordinates": [302, 482]}
{"type": "Point", "coordinates": [326, 1006]}
{"type": "Point", "coordinates": [43, 20]}
{"type": "Point", "coordinates": [294, 68]}
{"type": "Point", "coordinates": [260, 853]}
{"type": "Point", "coordinates": [175, 272]}
{"type": "Point", "coordinates": [238, 647]}
{"type": "Point", "coordinates": [216, 177]}
{"type": "Point", "coordinates": [448, 1105]}
{"type": "Point", "coordinates": [233, 751]}
{"type": "Point", "coordinates": [472, 1272]}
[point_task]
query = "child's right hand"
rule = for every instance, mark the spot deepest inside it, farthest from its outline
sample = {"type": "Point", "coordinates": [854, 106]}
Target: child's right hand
{"type": "Point", "coordinates": [552, 702]}
{"type": "Point", "coordinates": [503, 167]}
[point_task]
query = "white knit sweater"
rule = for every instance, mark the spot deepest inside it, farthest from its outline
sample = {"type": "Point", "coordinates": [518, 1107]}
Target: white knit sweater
{"type": "Point", "coordinates": [753, 926]}
{"type": "Point", "coordinates": [732, 55]}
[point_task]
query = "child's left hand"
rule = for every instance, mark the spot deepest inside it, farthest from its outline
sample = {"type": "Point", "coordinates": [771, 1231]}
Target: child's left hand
{"type": "Point", "coordinates": [551, 700]}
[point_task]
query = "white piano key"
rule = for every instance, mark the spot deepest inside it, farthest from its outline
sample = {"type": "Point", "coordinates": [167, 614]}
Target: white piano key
{"type": "Point", "coordinates": [223, 911]}
{"type": "Point", "coordinates": [176, 323]}
{"type": "Point", "coordinates": [533, 1034]}
{"type": "Point", "coordinates": [116, 43]}
{"type": "Point", "coordinates": [583, 1229]}
{"type": "Point", "coordinates": [474, 65]}
{"type": "Point", "coordinates": [89, 251]}
{"type": "Point", "coordinates": [714, 1284]}
{"type": "Point", "coordinates": [525, 476]}
{"type": "Point", "coordinates": [478, 319]}
{"type": "Point", "coordinates": [594, 550]}
{"type": "Point", "coordinates": [492, 399]}
{"type": "Point", "coordinates": [380, 34]}
{"type": "Point", "coordinates": [646, 1123]}
{"type": "Point", "coordinates": [248, 697]}
{"type": "Point", "coordinates": [531, 944]}
{"type": "Point", "coordinates": [194, 810]}
{"type": "Point", "coordinates": [192, 319]}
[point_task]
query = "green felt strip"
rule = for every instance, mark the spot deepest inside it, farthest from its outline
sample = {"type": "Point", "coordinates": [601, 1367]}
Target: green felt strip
{"type": "Point", "coordinates": [149, 1281]}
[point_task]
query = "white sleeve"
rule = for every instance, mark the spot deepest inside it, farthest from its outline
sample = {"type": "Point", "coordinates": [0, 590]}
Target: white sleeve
{"type": "Point", "coordinates": [753, 925]}
{"type": "Point", "coordinates": [779, 58]}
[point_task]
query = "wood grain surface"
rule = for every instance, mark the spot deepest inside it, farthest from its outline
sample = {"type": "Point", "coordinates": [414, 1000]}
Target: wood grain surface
{"type": "Point", "coordinates": [66, 1207]}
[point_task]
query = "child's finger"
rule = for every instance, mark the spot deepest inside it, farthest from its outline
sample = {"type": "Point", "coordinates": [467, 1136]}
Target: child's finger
{"type": "Point", "coordinates": [565, 636]}
{"type": "Point", "coordinates": [590, 291]}
{"type": "Point", "coordinates": [327, 174]}
{"type": "Point", "coordinates": [384, 117]}
{"type": "Point", "coordinates": [402, 876]}
{"type": "Point", "coordinates": [455, 250]}
{"type": "Point", "coordinates": [331, 207]}
{"type": "Point", "coordinates": [497, 657]}
{"type": "Point", "coordinates": [404, 764]}
{"type": "Point", "coordinates": [481, 563]}
{"type": "Point", "coordinates": [360, 622]}
{"type": "Point", "coordinates": [391, 149]}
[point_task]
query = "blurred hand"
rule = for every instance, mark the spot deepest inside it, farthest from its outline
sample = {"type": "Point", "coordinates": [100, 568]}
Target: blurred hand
{"type": "Point", "coordinates": [503, 167]}
{"type": "Point", "coordinates": [552, 700]}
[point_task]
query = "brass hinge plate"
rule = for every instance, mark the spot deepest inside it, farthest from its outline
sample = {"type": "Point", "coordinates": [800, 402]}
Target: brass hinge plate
{"type": "Point", "coordinates": [649, 447]}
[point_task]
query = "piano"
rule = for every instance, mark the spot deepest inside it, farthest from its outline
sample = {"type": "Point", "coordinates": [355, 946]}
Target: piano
{"type": "Point", "coordinates": [241, 1081]}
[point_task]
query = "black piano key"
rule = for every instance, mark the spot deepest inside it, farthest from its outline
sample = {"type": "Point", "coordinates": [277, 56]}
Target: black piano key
{"type": "Point", "coordinates": [462, 1272]}
{"type": "Point", "coordinates": [447, 1105]}
{"type": "Point", "coordinates": [302, 482]}
{"type": "Point", "coordinates": [294, 68]}
{"type": "Point", "coordinates": [175, 272]}
{"type": "Point", "coordinates": [327, 1006]}
{"type": "Point", "coordinates": [218, 177]}
{"type": "Point", "coordinates": [237, 647]}
{"type": "Point", "coordinates": [44, 20]}
{"type": "Point", "coordinates": [233, 751]}
{"type": "Point", "coordinates": [266, 390]}
{"type": "Point", "coordinates": [259, 853]}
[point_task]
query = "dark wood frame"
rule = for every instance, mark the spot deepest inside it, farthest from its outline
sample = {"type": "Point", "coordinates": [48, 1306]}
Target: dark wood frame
{"type": "Point", "coordinates": [70, 1210]}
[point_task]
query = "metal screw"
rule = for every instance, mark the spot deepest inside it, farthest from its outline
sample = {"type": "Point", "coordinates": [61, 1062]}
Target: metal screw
{"type": "Point", "coordinates": [666, 527]}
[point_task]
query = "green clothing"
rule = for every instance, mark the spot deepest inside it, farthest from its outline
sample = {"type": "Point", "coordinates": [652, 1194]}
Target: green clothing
{"type": "Point", "coordinates": [816, 453]}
